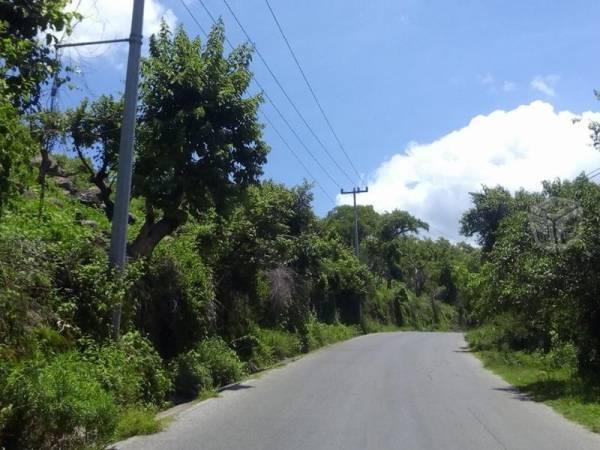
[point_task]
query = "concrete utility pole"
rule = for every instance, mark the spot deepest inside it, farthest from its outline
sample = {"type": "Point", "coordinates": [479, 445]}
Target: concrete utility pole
{"type": "Point", "coordinates": [355, 191]}
{"type": "Point", "coordinates": [118, 239]}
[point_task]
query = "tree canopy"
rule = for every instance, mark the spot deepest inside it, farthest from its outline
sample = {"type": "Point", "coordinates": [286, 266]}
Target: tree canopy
{"type": "Point", "coordinates": [200, 142]}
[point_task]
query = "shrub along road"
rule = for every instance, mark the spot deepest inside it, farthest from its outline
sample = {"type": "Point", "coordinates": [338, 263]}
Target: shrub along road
{"type": "Point", "coordinates": [377, 392]}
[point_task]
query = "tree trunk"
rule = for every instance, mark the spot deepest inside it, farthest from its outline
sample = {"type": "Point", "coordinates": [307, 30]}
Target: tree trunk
{"type": "Point", "coordinates": [152, 233]}
{"type": "Point", "coordinates": [105, 193]}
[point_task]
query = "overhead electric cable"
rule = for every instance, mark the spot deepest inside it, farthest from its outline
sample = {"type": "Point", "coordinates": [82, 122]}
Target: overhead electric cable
{"type": "Point", "coordinates": [312, 91]}
{"type": "Point", "coordinates": [296, 156]}
{"type": "Point", "coordinates": [285, 93]}
{"type": "Point", "coordinates": [270, 100]}
{"type": "Point", "coordinates": [194, 18]}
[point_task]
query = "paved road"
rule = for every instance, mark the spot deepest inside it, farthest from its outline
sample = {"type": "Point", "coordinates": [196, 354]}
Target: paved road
{"type": "Point", "coordinates": [384, 391]}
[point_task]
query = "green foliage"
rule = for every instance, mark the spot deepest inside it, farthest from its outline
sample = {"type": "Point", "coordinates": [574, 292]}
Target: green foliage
{"type": "Point", "coordinates": [490, 207]}
{"type": "Point", "coordinates": [224, 365]}
{"type": "Point", "coordinates": [191, 375]}
{"type": "Point", "coordinates": [175, 296]}
{"type": "Point", "coordinates": [26, 293]}
{"type": "Point", "coordinates": [505, 332]}
{"type": "Point", "coordinates": [317, 334]}
{"type": "Point", "coordinates": [57, 403]}
{"type": "Point", "coordinates": [16, 149]}
{"type": "Point", "coordinates": [137, 421]}
{"type": "Point", "coordinates": [265, 347]}
{"type": "Point", "coordinates": [97, 290]}
{"type": "Point", "coordinates": [257, 254]}
{"type": "Point", "coordinates": [146, 362]}
{"type": "Point", "coordinates": [131, 370]}
{"type": "Point", "coordinates": [200, 143]}
{"type": "Point", "coordinates": [340, 220]}
{"type": "Point", "coordinates": [533, 298]}
{"type": "Point", "coordinates": [94, 130]}
{"type": "Point", "coordinates": [278, 344]}
{"type": "Point", "coordinates": [27, 29]}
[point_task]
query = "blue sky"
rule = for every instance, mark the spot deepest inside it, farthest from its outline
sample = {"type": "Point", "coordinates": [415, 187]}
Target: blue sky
{"type": "Point", "coordinates": [399, 79]}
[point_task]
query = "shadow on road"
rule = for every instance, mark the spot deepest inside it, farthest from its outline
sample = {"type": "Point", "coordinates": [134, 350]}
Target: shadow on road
{"type": "Point", "coordinates": [236, 387]}
{"type": "Point", "coordinates": [463, 349]}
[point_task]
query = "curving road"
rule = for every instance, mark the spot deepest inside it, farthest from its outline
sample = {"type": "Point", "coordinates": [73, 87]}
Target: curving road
{"type": "Point", "coordinates": [377, 392]}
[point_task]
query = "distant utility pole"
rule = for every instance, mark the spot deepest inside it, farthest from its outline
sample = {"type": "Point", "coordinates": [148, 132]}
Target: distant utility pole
{"type": "Point", "coordinates": [118, 239]}
{"type": "Point", "coordinates": [355, 191]}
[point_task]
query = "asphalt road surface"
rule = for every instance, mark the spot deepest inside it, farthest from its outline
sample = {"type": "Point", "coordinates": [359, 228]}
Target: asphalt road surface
{"type": "Point", "coordinates": [377, 392]}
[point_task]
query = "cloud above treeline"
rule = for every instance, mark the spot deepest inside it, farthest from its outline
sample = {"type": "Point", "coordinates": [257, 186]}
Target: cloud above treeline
{"type": "Point", "coordinates": [516, 149]}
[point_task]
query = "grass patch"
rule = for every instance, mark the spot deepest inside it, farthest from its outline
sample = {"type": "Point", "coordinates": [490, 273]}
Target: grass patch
{"type": "Point", "coordinates": [136, 421]}
{"type": "Point", "coordinates": [320, 334]}
{"type": "Point", "coordinates": [206, 394]}
{"type": "Point", "coordinates": [560, 387]}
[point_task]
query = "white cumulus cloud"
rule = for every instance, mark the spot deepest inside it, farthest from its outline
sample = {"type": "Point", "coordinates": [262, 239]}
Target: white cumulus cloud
{"type": "Point", "coordinates": [111, 19]}
{"type": "Point", "coordinates": [516, 148]}
{"type": "Point", "coordinates": [545, 84]}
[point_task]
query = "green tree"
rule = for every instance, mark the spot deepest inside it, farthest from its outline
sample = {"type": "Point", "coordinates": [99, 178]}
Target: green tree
{"type": "Point", "coordinates": [341, 221]}
{"type": "Point", "coordinates": [483, 219]}
{"type": "Point", "coordinates": [28, 28]}
{"type": "Point", "coordinates": [399, 223]}
{"type": "Point", "coordinates": [256, 254]}
{"type": "Point", "coordinates": [200, 143]}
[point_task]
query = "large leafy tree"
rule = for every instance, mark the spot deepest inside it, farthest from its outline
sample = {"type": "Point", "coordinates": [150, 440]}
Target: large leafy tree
{"type": "Point", "coordinates": [200, 143]}
{"type": "Point", "coordinates": [399, 223]}
{"type": "Point", "coordinates": [489, 208]}
{"type": "Point", "coordinates": [28, 28]}
{"type": "Point", "coordinates": [341, 221]}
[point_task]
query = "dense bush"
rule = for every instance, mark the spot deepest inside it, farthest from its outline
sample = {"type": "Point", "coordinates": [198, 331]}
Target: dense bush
{"type": "Point", "coordinates": [175, 296]}
{"type": "Point", "coordinates": [278, 344]}
{"type": "Point", "coordinates": [505, 332]}
{"type": "Point", "coordinates": [265, 347]}
{"type": "Point", "coordinates": [135, 421]}
{"type": "Point", "coordinates": [132, 370]}
{"type": "Point", "coordinates": [191, 376]}
{"type": "Point", "coordinates": [222, 362]}
{"type": "Point", "coordinates": [318, 334]}
{"type": "Point", "coordinates": [56, 404]}
{"type": "Point", "coordinates": [535, 295]}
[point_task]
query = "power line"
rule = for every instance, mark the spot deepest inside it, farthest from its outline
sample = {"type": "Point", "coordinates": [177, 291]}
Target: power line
{"type": "Point", "coordinates": [285, 93]}
{"type": "Point", "coordinates": [266, 118]}
{"type": "Point", "coordinates": [310, 88]}
{"type": "Point", "coordinates": [194, 19]}
{"type": "Point", "coordinates": [297, 136]}
{"type": "Point", "coordinates": [593, 173]}
{"type": "Point", "coordinates": [270, 100]}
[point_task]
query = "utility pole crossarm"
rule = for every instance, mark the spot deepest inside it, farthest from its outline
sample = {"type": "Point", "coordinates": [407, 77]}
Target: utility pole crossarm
{"type": "Point", "coordinates": [355, 191]}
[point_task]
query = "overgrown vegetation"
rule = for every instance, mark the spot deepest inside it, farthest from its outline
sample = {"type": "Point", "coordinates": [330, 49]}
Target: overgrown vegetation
{"type": "Point", "coordinates": [228, 273]}
{"type": "Point", "coordinates": [534, 299]}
